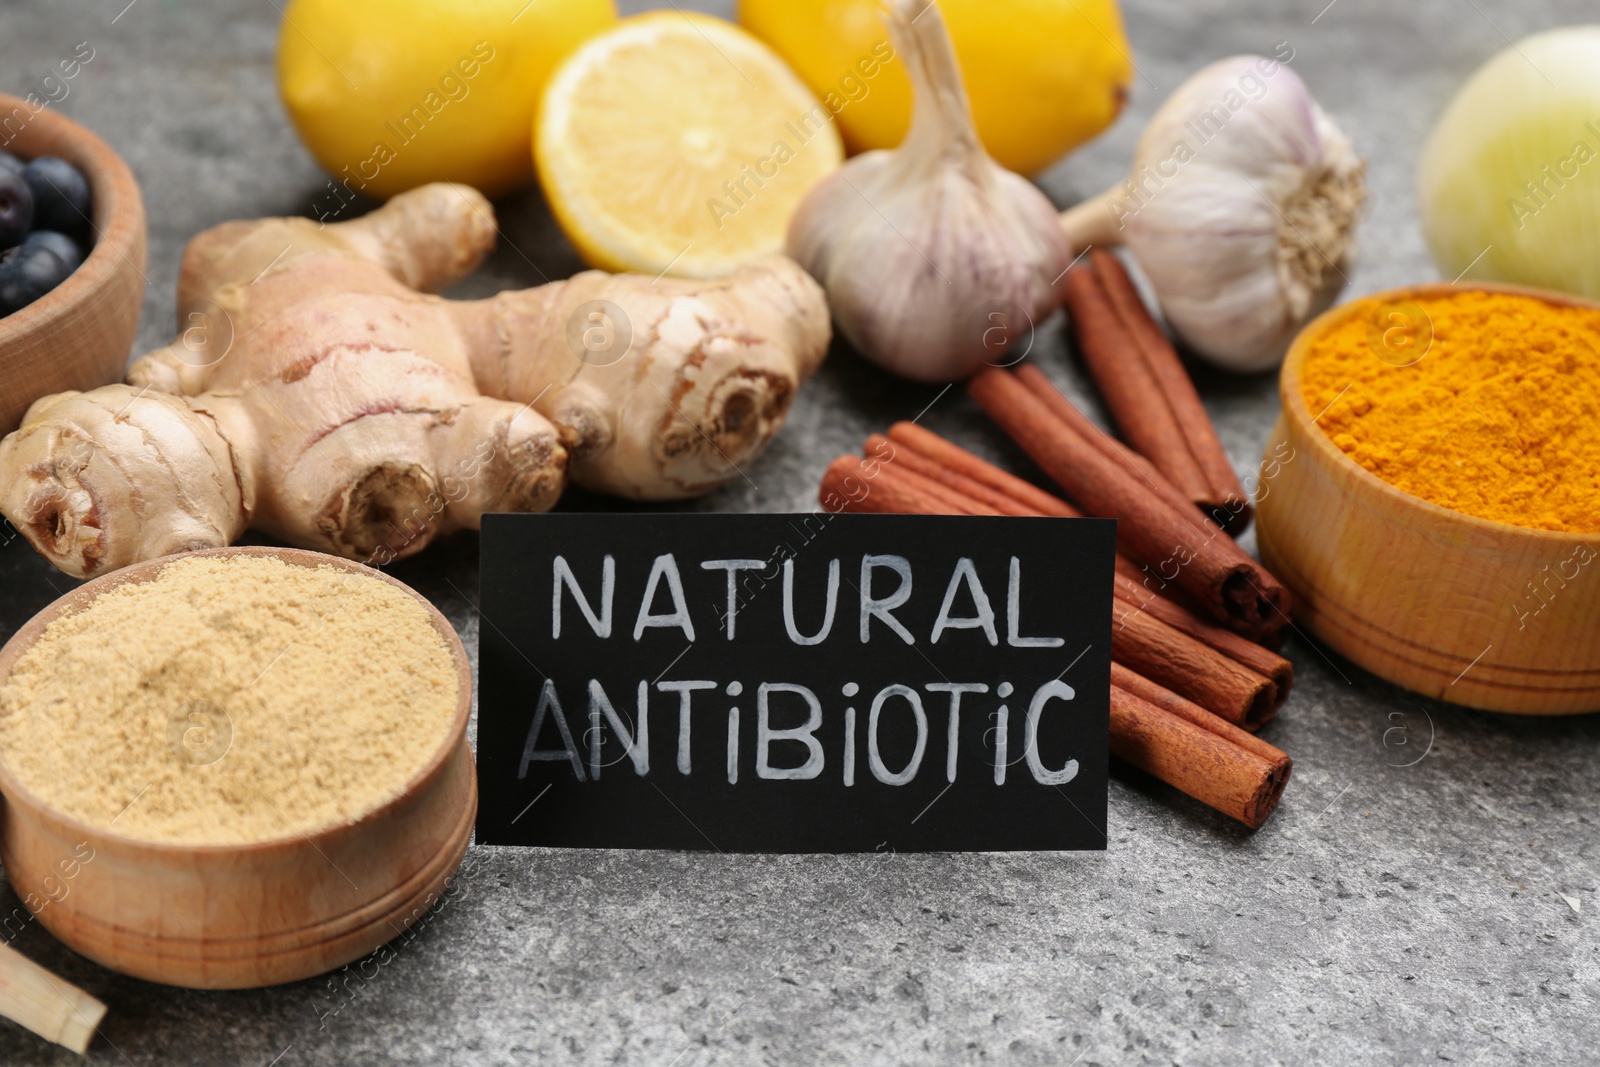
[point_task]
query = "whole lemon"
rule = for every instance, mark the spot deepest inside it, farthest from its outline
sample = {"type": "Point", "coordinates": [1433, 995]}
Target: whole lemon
{"type": "Point", "coordinates": [392, 94]}
{"type": "Point", "coordinates": [1043, 76]}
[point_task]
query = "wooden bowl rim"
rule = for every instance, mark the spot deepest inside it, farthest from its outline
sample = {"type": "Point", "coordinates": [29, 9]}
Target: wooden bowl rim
{"type": "Point", "coordinates": [455, 735]}
{"type": "Point", "coordinates": [1292, 397]}
{"type": "Point", "coordinates": [118, 222]}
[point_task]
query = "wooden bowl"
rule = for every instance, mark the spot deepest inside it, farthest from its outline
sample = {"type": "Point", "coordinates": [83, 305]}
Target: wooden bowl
{"type": "Point", "coordinates": [1468, 610]}
{"type": "Point", "coordinates": [236, 916]}
{"type": "Point", "coordinates": [78, 335]}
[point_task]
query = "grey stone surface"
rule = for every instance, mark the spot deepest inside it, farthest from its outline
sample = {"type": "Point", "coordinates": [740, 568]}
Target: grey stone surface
{"type": "Point", "coordinates": [1426, 893]}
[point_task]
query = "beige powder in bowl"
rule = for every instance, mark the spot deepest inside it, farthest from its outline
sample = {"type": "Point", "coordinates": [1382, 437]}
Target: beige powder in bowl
{"type": "Point", "coordinates": [230, 699]}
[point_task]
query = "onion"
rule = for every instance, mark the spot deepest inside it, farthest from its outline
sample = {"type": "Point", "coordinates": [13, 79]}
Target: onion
{"type": "Point", "coordinates": [1509, 182]}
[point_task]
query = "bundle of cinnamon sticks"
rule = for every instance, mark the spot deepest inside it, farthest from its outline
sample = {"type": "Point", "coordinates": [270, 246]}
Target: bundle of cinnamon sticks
{"type": "Point", "coordinates": [1186, 693]}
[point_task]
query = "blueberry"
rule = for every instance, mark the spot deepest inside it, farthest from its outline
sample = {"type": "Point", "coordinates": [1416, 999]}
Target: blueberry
{"type": "Point", "coordinates": [60, 194]}
{"type": "Point", "coordinates": [26, 274]}
{"type": "Point", "coordinates": [16, 209]}
{"type": "Point", "coordinates": [9, 162]}
{"type": "Point", "coordinates": [65, 248]}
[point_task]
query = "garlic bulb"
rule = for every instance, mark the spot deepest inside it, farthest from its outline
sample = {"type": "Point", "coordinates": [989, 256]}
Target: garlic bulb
{"type": "Point", "coordinates": [934, 257]}
{"type": "Point", "coordinates": [1240, 209]}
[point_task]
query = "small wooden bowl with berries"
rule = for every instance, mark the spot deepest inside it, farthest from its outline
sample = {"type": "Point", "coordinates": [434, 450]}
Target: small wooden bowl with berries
{"type": "Point", "coordinates": [64, 194]}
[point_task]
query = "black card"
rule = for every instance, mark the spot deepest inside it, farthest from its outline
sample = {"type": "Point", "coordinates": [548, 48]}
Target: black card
{"type": "Point", "coordinates": [794, 683]}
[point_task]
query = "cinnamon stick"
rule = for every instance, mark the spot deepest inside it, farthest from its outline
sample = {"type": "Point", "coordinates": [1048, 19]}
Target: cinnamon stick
{"type": "Point", "coordinates": [900, 475]}
{"type": "Point", "coordinates": [912, 460]}
{"type": "Point", "coordinates": [1213, 769]}
{"type": "Point", "coordinates": [1151, 584]}
{"type": "Point", "coordinates": [955, 458]}
{"type": "Point", "coordinates": [1229, 503]}
{"type": "Point", "coordinates": [1125, 678]}
{"type": "Point", "coordinates": [1193, 670]}
{"type": "Point", "coordinates": [846, 486]}
{"type": "Point", "coordinates": [1115, 360]}
{"type": "Point", "coordinates": [1129, 571]}
{"type": "Point", "coordinates": [1259, 659]}
{"type": "Point", "coordinates": [1139, 468]}
{"type": "Point", "coordinates": [1201, 559]}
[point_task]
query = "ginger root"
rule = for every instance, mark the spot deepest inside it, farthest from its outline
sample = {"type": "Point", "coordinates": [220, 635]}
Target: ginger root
{"type": "Point", "coordinates": [317, 394]}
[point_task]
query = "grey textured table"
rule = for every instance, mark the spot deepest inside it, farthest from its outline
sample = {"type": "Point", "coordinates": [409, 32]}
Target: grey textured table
{"type": "Point", "coordinates": [1394, 911]}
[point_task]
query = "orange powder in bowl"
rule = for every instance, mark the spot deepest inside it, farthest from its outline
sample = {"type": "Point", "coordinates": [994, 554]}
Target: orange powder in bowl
{"type": "Point", "coordinates": [1484, 403]}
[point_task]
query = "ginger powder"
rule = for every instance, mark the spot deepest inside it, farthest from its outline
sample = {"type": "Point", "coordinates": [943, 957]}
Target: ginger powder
{"type": "Point", "coordinates": [230, 699]}
{"type": "Point", "coordinates": [1485, 403]}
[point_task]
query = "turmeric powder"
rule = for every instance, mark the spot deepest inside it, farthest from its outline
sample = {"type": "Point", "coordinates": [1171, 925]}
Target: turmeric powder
{"type": "Point", "coordinates": [1485, 403]}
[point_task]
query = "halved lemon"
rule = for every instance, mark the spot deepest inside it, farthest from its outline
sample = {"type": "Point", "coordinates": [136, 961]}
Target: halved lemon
{"type": "Point", "coordinates": [677, 143]}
